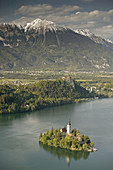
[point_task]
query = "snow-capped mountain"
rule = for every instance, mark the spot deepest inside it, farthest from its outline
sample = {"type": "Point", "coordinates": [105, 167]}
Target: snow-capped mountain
{"type": "Point", "coordinates": [42, 25]}
{"type": "Point", "coordinates": [85, 32]}
{"type": "Point", "coordinates": [95, 38]}
{"type": "Point", "coordinates": [108, 40]}
{"type": "Point", "coordinates": [43, 44]}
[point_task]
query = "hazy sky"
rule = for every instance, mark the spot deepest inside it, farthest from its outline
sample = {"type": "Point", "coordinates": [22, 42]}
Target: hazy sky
{"type": "Point", "coordinates": [95, 15]}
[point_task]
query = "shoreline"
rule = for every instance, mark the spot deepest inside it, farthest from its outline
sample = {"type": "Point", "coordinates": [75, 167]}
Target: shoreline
{"type": "Point", "coordinates": [55, 104]}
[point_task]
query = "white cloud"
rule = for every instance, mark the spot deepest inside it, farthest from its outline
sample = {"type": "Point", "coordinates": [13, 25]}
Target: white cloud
{"type": "Point", "coordinates": [33, 10]}
{"type": "Point", "coordinates": [105, 31]}
{"type": "Point", "coordinates": [2, 20]}
{"type": "Point", "coordinates": [110, 12]}
{"type": "Point", "coordinates": [108, 27]}
{"type": "Point", "coordinates": [94, 13]}
{"type": "Point", "coordinates": [22, 20]}
{"type": "Point", "coordinates": [70, 16]}
{"type": "Point", "coordinates": [63, 13]}
{"type": "Point", "coordinates": [45, 9]}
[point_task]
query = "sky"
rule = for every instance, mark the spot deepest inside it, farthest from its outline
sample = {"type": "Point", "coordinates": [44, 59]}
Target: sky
{"type": "Point", "coordinates": [95, 15]}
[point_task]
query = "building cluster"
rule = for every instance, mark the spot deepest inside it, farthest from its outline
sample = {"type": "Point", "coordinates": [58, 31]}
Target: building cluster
{"type": "Point", "coordinates": [69, 80]}
{"type": "Point", "coordinates": [94, 88]}
{"type": "Point", "coordinates": [66, 78]}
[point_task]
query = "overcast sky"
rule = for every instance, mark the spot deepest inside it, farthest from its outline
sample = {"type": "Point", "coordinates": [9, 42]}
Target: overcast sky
{"type": "Point", "coordinates": [95, 15]}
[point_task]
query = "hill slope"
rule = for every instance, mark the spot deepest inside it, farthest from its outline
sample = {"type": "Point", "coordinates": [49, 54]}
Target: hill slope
{"type": "Point", "coordinates": [44, 45]}
{"type": "Point", "coordinates": [43, 94]}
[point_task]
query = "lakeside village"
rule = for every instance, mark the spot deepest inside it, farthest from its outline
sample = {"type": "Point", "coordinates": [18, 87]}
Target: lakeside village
{"type": "Point", "coordinates": [67, 139]}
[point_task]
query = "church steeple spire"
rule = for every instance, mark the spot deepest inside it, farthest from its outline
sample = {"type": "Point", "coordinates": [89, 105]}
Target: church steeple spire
{"type": "Point", "coordinates": [69, 123]}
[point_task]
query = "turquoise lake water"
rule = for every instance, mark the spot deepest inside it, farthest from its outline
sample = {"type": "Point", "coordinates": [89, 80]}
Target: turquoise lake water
{"type": "Point", "coordinates": [20, 148]}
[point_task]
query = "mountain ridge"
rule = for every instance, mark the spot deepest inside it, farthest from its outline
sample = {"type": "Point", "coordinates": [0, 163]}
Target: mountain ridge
{"type": "Point", "coordinates": [45, 45]}
{"type": "Point", "coordinates": [97, 39]}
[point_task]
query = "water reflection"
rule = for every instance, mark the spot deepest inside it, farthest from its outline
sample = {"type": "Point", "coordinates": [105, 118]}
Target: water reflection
{"type": "Point", "coordinates": [64, 153]}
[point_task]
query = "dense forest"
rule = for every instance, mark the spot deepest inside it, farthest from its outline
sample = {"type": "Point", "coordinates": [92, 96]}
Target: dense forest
{"type": "Point", "coordinates": [39, 95]}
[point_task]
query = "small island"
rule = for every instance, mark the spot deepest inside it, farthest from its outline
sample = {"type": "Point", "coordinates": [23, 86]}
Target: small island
{"type": "Point", "coordinates": [67, 139]}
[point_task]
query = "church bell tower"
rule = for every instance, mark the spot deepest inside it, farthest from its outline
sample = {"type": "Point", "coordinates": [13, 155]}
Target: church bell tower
{"type": "Point", "coordinates": [69, 127]}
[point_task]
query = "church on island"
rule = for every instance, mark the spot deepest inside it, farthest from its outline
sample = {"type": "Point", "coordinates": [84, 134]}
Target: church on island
{"type": "Point", "coordinates": [68, 131]}
{"type": "Point", "coordinates": [67, 139]}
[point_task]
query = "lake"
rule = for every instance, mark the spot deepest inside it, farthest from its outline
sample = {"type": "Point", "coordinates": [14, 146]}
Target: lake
{"type": "Point", "coordinates": [20, 148]}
